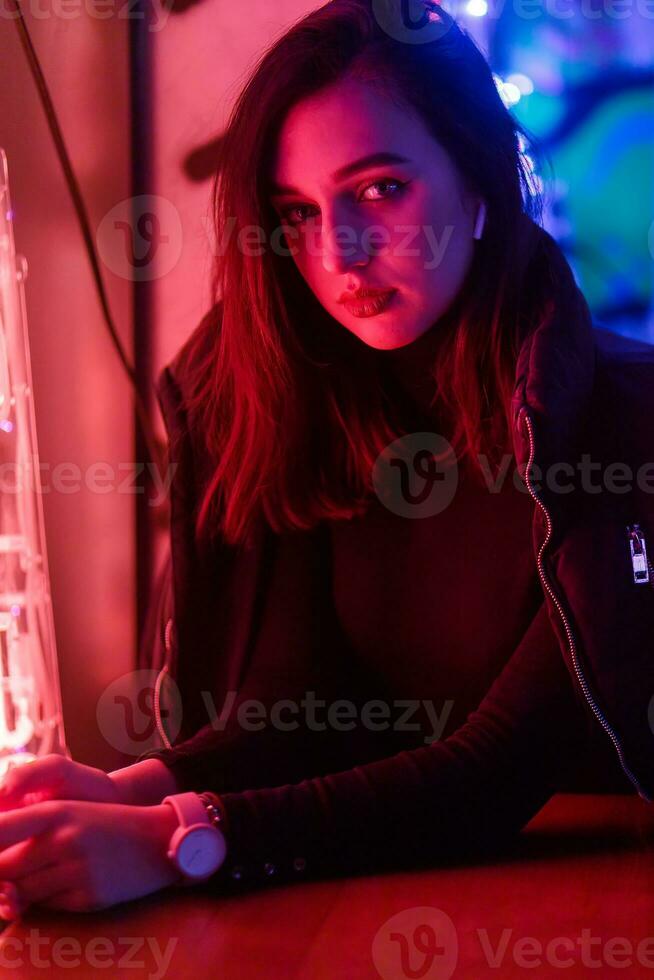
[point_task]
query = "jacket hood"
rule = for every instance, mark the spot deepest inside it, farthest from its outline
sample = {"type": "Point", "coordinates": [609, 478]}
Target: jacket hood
{"type": "Point", "coordinates": [555, 370]}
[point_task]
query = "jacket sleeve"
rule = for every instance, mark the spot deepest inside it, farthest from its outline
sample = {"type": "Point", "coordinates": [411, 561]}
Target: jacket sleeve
{"type": "Point", "coordinates": [450, 799]}
{"type": "Point", "coordinates": [237, 751]}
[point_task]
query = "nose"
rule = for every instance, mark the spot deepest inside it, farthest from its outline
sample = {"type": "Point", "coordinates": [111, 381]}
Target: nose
{"type": "Point", "coordinates": [341, 248]}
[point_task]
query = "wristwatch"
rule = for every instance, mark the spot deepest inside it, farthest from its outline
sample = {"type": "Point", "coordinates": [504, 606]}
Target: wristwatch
{"type": "Point", "coordinates": [198, 846]}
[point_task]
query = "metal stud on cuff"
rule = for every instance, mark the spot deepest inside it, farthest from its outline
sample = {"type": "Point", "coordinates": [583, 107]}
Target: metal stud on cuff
{"type": "Point", "coordinates": [212, 808]}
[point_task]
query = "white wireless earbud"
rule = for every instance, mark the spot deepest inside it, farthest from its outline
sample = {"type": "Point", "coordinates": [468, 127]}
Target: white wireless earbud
{"type": "Point", "coordinates": [481, 221]}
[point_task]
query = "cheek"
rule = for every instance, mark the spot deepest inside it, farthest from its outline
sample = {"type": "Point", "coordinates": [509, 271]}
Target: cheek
{"type": "Point", "coordinates": [424, 231]}
{"type": "Point", "coordinates": [299, 256]}
{"type": "Point", "coordinates": [295, 241]}
{"type": "Point", "coordinates": [313, 273]}
{"type": "Point", "coordinates": [309, 267]}
{"type": "Point", "coordinates": [443, 277]}
{"type": "Point", "coordinates": [308, 260]}
{"type": "Point", "coordinates": [448, 234]}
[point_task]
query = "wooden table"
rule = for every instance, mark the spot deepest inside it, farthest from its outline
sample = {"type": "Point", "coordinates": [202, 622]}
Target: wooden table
{"type": "Point", "coordinates": [577, 888]}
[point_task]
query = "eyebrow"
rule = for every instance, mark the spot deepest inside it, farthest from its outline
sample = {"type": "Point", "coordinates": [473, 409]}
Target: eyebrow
{"type": "Point", "coordinates": [364, 163]}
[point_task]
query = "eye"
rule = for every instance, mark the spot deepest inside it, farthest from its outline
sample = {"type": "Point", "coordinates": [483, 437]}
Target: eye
{"type": "Point", "coordinates": [384, 182]}
{"type": "Point", "coordinates": [289, 214]}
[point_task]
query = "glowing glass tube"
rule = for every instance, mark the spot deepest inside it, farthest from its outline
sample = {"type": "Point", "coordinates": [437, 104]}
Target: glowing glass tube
{"type": "Point", "coordinates": [31, 719]}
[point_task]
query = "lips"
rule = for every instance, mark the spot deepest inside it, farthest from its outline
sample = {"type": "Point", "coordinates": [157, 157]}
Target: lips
{"type": "Point", "coordinates": [371, 303]}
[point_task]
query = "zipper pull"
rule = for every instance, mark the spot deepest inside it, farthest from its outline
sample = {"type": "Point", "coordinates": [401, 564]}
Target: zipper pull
{"type": "Point", "coordinates": [638, 550]}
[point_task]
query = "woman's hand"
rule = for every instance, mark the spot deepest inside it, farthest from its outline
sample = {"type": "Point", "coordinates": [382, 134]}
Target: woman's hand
{"type": "Point", "coordinates": [82, 856]}
{"type": "Point", "coordinates": [55, 777]}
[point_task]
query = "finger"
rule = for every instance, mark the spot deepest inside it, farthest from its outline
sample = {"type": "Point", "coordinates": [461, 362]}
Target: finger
{"type": "Point", "coordinates": [27, 856]}
{"type": "Point", "coordinates": [9, 912]}
{"type": "Point", "coordinates": [71, 900]}
{"type": "Point", "coordinates": [46, 883]}
{"type": "Point", "coordinates": [9, 903]}
{"type": "Point", "coordinates": [16, 825]}
{"type": "Point", "coordinates": [39, 778]}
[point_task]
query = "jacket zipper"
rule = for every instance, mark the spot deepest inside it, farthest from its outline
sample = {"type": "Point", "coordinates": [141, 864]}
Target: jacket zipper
{"type": "Point", "coordinates": [642, 567]}
{"type": "Point", "coordinates": [157, 686]}
{"type": "Point", "coordinates": [571, 640]}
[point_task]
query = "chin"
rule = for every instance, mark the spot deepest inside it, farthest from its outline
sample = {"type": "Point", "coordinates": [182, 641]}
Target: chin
{"type": "Point", "coordinates": [386, 338]}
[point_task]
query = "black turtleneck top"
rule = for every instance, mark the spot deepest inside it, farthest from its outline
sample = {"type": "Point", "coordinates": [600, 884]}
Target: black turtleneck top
{"type": "Point", "coordinates": [454, 716]}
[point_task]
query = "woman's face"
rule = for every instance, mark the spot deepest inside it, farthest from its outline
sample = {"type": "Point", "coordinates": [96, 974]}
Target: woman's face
{"type": "Point", "coordinates": [401, 222]}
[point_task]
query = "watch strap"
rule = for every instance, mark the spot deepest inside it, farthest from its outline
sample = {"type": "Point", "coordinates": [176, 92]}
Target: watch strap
{"type": "Point", "coordinates": [189, 808]}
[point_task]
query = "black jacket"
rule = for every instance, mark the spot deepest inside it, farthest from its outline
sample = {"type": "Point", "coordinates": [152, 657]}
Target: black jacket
{"type": "Point", "coordinates": [583, 397]}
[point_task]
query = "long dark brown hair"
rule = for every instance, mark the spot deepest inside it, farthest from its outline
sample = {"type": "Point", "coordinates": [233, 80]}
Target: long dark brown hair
{"type": "Point", "coordinates": [290, 404]}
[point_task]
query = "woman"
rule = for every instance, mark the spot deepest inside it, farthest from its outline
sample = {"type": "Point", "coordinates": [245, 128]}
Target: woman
{"type": "Point", "coordinates": [396, 338]}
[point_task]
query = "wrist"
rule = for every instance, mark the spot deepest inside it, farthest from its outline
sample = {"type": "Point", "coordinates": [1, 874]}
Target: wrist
{"type": "Point", "coordinates": [164, 825]}
{"type": "Point", "coordinates": [198, 846]}
{"type": "Point", "coordinates": [144, 783]}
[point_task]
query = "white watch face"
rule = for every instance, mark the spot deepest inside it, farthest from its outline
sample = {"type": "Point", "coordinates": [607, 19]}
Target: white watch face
{"type": "Point", "coordinates": [201, 851]}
